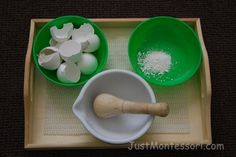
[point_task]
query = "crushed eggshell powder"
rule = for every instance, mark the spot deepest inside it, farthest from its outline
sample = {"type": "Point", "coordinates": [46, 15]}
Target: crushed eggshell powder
{"type": "Point", "coordinates": [154, 62]}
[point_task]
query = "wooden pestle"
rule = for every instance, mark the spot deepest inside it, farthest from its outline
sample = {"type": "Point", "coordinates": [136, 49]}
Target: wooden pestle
{"type": "Point", "coordinates": [106, 106]}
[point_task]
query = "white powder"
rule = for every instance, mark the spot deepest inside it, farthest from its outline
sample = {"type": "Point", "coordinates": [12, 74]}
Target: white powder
{"type": "Point", "coordinates": [154, 62]}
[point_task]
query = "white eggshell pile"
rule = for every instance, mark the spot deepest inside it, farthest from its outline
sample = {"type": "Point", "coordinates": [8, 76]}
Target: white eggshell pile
{"type": "Point", "coordinates": [70, 52]}
{"type": "Point", "coordinates": [85, 35]}
{"type": "Point", "coordinates": [68, 72]}
{"type": "Point", "coordinates": [93, 43]}
{"type": "Point", "coordinates": [87, 63]}
{"type": "Point", "coordinates": [61, 35]}
{"type": "Point", "coordinates": [54, 43]}
{"type": "Point", "coordinates": [49, 58]}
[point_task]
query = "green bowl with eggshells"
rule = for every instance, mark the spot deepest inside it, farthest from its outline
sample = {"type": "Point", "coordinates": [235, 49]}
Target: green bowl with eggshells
{"type": "Point", "coordinates": [172, 37]}
{"type": "Point", "coordinates": [42, 40]}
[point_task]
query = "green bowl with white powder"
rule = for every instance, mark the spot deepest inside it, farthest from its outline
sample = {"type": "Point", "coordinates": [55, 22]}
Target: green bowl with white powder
{"type": "Point", "coordinates": [164, 51]}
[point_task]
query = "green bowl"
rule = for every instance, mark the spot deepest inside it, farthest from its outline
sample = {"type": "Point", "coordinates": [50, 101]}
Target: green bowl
{"type": "Point", "coordinates": [42, 40]}
{"type": "Point", "coordinates": [173, 37]}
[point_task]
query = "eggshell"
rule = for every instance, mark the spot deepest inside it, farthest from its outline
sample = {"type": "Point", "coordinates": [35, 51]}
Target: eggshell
{"type": "Point", "coordinates": [82, 34]}
{"type": "Point", "coordinates": [54, 43]}
{"type": "Point", "coordinates": [68, 73]}
{"type": "Point", "coordinates": [70, 51]}
{"type": "Point", "coordinates": [61, 35]}
{"type": "Point", "coordinates": [93, 43]}
{"type": "Point", "coordinates": [87, 64]}
{"type": "Point", "coordinates": [49, 58]}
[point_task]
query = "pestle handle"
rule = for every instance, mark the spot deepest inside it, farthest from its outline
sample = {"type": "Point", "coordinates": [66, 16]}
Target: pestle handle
{"type": "Point", "coordinates": [158, 109]}
{"type": "Point", "coordinates": [106, 105]}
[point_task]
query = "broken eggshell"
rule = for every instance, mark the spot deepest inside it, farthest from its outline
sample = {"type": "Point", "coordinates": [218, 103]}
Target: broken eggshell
{"type": "Point", "coordinates": [93, 43]}
{"type": "Point", "coordinates": [87, 64]}
{"type": "Point", "coordinates": [82, 34]}
{"type": "Point", "coordinates": [54, 43]}
{"type": "Point", "coordinates": [68, 73]}
{"type": "Point", "coordinates": [49, 58]}
{"type": "Point", "coordinates": [63, 34]}
{"type": "Point", "coordinates": [70, 51]}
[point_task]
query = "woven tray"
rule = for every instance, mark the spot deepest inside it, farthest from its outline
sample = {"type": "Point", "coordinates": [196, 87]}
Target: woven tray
{"type": "Point", "coordinates": [50, 123]}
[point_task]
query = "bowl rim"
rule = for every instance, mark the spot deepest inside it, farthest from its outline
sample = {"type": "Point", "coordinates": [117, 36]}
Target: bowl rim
{"type": "Point", "coordinates": [102, 65]}
{"type": "Point", "coordinates": [171, 83]}
{"type": "Point", "coordinates": [99, 135]}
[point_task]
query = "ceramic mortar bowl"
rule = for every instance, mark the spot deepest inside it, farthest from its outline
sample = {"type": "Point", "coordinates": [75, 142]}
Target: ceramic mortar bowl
{"type": "Point", "coordinates": [123, 128]}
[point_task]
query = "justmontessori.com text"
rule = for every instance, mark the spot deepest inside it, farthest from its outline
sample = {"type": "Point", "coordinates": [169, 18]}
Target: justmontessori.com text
{"type": "Point", "coordinates": [157, 146]}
